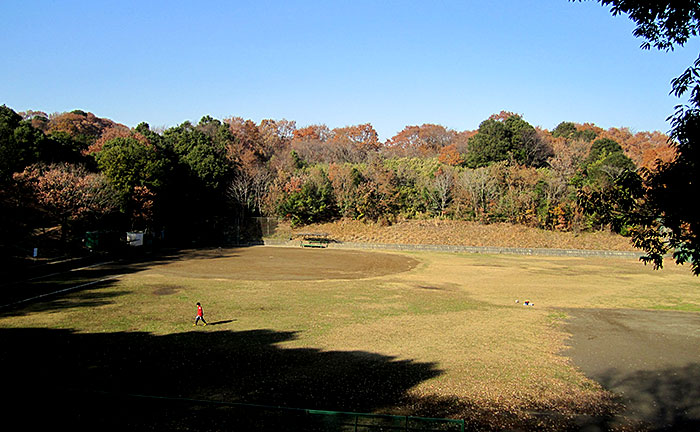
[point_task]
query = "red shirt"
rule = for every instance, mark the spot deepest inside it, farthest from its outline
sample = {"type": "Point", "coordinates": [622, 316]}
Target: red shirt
{"type": "Point", "coordinates": [199, 311]}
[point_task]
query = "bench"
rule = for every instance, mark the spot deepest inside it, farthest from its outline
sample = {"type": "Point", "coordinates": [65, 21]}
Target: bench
{"type": "Point", "coordinates": [314, 240]}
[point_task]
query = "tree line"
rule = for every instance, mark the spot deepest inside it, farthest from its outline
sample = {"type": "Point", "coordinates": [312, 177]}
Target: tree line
{"type": "Point", "coordinates": [78, 172]}
{"type": "Point", "coordinates": [204, 182]}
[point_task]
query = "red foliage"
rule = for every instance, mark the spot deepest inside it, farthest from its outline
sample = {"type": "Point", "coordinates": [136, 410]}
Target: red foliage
{"type": "Point", "coordinates": [142, 204]}
{"type": "Point", "coordinates": [424, 140]}
{"type": "Point", "coordinates": [119, 131]}
{"type": "Point", "coordinates": [68, 192]}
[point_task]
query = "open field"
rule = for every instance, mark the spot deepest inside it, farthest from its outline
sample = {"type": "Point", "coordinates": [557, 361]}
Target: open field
{"type": "Point", "coordinates": [428, 334]}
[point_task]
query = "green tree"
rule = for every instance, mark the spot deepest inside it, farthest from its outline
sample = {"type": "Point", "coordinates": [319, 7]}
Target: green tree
{"type": "Point", "coordinates": [310, 201]}
{"type": "Point", "coordinates": [204, 160]}
{"type": "Point", "coordinates": [137, 172]}
{"type": "Point", "coordinates": [569, 131]}
{"type": "Point", "coordinates": [194, 203]}
{"type": "Point", "coordinates": [564, 129]}
{"type": "Point", "coordinates": [19, 143]}
{"type": "Point", "coordinates": [610, 205]}
{"type": "Point", "coordinates": [664, 220]}
{"type": "Point", "coordinates": [512, 138]}
{"type": "Point", "coordinates": [492, 143]}
{"type": "Point", "coordinates": [128, 163]}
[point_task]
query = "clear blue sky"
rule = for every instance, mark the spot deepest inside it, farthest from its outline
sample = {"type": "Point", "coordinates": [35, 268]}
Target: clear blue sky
{"type": "Point", "coordinates": [390, 63]}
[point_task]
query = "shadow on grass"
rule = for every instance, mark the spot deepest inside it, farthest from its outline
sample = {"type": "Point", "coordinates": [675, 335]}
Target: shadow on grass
{"type": "Point", "coordinates": [54, 375]}
{"type": "Point", "coordinates": [94, 381]}
{"type": "Point", "coordinates": [45, 285]}
{"type": "Point", "coordinates": [221, 322]}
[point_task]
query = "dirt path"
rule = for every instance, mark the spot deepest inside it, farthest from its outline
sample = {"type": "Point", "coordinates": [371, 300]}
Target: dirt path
{"type": "Point", "coordinates": [650, 358]}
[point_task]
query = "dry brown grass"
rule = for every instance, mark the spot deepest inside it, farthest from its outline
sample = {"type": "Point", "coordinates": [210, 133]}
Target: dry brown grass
{"type": "Point", "coordinates": [499, 364]}
{"type": "Point", "coordinates": [449, 232]}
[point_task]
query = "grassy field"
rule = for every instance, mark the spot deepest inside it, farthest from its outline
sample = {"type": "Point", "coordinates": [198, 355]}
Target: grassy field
{"type": "Point", "coordinates": [428, 334]}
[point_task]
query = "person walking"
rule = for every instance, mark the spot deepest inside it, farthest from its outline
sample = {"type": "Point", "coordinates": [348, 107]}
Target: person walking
{"type": "Point", "coordinates": [200, 315]}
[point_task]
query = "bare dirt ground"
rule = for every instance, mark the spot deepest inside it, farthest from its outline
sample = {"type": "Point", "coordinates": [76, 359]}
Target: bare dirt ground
{"type": "Point", "coordinates": [259, 263]}
{"type": "Point", "coordinates": [650, 358]}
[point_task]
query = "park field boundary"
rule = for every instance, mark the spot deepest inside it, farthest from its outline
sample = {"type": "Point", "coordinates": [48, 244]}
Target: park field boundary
{"type": "Point", "coordinates": [494, 250]}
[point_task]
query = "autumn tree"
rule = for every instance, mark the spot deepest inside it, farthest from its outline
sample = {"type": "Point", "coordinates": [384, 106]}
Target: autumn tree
{"type": "Point", "coordinates": [424, 140]}
{"type": "Point", "coordinates": [480, 189]}
{"type": "Point", "coordinates": [311, 143]}
{"type": "Point", "coordinates": [345, 179]}
{"type": "Point", "coordinates": [68, 193]}
{"type": "Point", "coordinates": [38, 119]}
{"type": "Point", "coordinates": [406, 177]}
{"type": "Point", "coordinates": [440, 190]}
{"type": "Point", "coordinates": [247, 139]}
{"type": "Point", "coordinates": [276, 135]}
{"type": "Point", "coordinates": [449, 155]}
{"type": "Point", "coordinates": [248, 185]}
{"type": "Point", "coordinates": [83, 127]}
{"type": "Point", "coordinates": [353, 143]}
{"type": "Point", "coordinates": [644, 148]}
{"type": "Point", "coordinates": [378, 192]}
{"type": "Point", "coordinates": [521, 197]}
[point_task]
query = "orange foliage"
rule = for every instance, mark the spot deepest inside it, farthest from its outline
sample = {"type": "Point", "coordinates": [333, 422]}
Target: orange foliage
{"type": "Point", "coordinates": [313, 132]}
{"type": "Point", "coordinates": [644, 148]}
{"type": "Point", "coordinates": [362, 136]}
{"type": "Point", "coordinates": [450, 156]}
{"type": "Point", "coordinates": [503, 115]}
{"type": "Point", "coordinates": [589, 126]}
{"type": "Point", "coordinates": [80, 124]}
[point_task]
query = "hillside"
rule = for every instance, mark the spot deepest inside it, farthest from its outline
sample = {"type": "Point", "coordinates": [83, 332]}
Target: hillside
{"type": "Point", "coordinates": [449, 232]}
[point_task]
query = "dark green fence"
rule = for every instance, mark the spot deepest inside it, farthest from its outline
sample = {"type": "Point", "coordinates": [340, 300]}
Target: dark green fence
{"type": "Point", "coordinates": [165, 413]}
{"type": "Point", "coordinates": [362, 422]}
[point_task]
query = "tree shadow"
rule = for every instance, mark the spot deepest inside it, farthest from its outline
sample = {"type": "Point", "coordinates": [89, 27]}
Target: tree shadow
{"type": "Point", "coordinates": [140, 381]}
{"type": "Point", "coordinates": [649, 359]}
{"type": "Point", "coordinates": [51, 282]}
{"type": "Point", "coordinates": [660, 400]}
{"type": "Point", "coordinates": [47, 298]}
{"type": "Point", "coordinates": [61, 377]}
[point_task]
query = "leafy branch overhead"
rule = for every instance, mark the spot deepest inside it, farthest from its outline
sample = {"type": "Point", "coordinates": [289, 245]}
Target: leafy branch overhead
{"type": "Point", "coordinates": [663, 221]}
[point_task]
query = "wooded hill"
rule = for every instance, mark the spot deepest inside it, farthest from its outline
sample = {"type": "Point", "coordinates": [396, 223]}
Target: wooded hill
{"type": "Point", "coordinates": [203, 182]}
